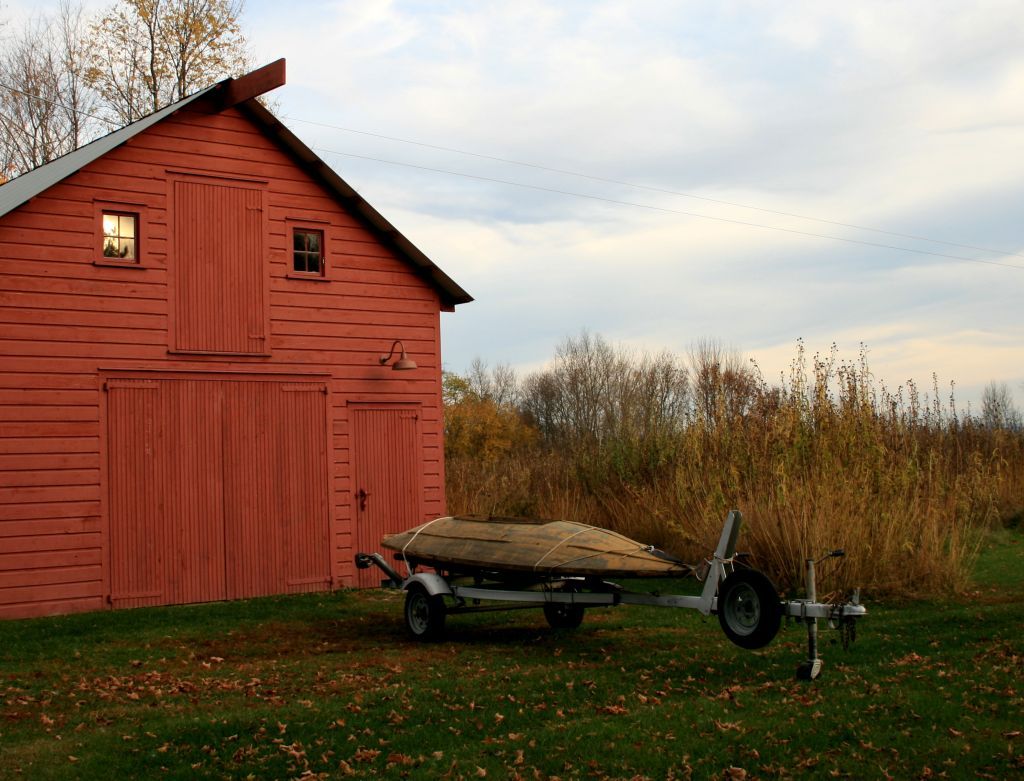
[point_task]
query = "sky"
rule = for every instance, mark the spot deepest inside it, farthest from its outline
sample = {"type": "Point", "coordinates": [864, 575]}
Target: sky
{"type": "Point", "coordinates": [730, 129]}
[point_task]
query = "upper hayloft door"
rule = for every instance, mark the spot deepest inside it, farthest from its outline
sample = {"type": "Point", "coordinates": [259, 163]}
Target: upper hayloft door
{"type": "Point", "coordinates": [219, 271]}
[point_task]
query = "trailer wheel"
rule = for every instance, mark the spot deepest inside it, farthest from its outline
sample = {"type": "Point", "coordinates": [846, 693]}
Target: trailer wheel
{"type": "Point", "coordinates": [749, 609]}
{"type": "Point", "coordinates": [424, 614]}
{"type": "Point", "coordinates": [562, 615]}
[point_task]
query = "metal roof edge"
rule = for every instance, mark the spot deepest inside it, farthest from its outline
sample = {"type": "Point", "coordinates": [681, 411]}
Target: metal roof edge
{"type": "Point", "coordinates": [24, 188]}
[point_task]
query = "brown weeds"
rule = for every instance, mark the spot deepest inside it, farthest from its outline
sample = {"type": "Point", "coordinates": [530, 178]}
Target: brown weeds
{"type": "Point", "coordinates": [661, 450]}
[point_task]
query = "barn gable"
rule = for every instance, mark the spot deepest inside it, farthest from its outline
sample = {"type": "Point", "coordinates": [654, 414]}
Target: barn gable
{"type": "Point", "coordinates": [192, 405]}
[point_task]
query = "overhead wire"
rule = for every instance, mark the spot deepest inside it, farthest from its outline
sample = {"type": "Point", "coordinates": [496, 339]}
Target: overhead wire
{"type": "Point", "coordinates": [669, 210]}
{"type": "Point", "coordinates": [615, 201]}
{"type": "Point", "coordinates": [64, 106]}
{"type": "Point", "coordinates": [651, 188]}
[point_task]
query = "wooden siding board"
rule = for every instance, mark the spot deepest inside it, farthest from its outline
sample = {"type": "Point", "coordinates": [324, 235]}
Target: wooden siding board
{"type": "Point", "coordinates": [78, 264]}
{"type": "Point", "coordinates": [127, 287]}
{"type": "Point", "coordinates": [20, 478]}
{"type": "Point", "coordinates": [50, 607]}
{"type": "Point", "coordinates": [52, 396]}
{"type": "Point", "coordinates": [79, 303]}
{"type": "Point", "coordinates": [59, 458]}
{"type": "Point", "coordinates": [53, 542]}
{"type": "Point", "coordinates": [11, 562]}
{"type": "Point", "coordinates": [49, 518]}
{"type": "Point", "coordinates": [66, 332]}
{"type": "Point", "coordinates": [62, 349]}
{"type": "Point", "coordinates": [83, 583]}
{"type": "Point", "coordinates": [83, 318]}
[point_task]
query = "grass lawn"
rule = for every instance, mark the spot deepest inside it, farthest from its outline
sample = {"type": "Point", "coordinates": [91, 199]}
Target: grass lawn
{"type": "Point", "coordinates": [327, 685]}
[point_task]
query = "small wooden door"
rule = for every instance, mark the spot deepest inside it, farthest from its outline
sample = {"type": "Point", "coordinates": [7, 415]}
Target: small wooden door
{"type": "Point", "coordinates": [386, 494]}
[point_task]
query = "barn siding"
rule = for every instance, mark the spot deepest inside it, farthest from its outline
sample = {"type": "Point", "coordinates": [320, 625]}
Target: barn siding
{"type": "Point", "coordinates": [64, 321]}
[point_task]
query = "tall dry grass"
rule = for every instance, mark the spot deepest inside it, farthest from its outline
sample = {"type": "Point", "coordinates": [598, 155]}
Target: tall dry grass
{"type": "Point", "coordinates": [661, 449]}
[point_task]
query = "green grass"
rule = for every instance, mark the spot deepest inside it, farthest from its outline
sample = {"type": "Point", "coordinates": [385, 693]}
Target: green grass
{"type": "Point", "coordinates": [328, 685]}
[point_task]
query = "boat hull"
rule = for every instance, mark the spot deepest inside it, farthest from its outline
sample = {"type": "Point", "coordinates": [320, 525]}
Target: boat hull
{"type": "Point", "coordinates": [543, 549]}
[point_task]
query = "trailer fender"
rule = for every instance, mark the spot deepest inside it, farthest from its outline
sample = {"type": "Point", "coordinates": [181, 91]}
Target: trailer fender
{"type": "Point", "coordinates": [431, 581]}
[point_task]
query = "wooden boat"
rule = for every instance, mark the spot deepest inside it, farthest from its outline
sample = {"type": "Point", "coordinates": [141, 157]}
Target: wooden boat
{"type": "Point", "coordinates": [526, 547]}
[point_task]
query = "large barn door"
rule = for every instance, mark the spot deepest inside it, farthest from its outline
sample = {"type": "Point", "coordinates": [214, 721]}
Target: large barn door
{"type": "Point", "coordinates": [219, 274]}
{"type": "Point", "coordinates": [165, 477]}
{"type": "Point", "coordinates": [386, 477]}
{"type": "Point", "coordinates": [275, 494]}
{"type": "Point", "coordinates": [217, 489]}
{"type": "Point", "coordinates": [136, 549]}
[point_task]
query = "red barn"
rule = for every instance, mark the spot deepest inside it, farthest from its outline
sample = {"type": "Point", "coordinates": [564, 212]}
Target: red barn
{"type": "Point", "coordinates": [193, 404]}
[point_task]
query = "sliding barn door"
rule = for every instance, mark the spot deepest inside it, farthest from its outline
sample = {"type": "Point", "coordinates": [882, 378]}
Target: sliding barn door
{"type": "Point", "coordinates": [217, 489]}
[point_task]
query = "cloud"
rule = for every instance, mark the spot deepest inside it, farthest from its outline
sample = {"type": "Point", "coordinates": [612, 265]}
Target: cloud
{"type": "Point", "coordinates": [904, 116]}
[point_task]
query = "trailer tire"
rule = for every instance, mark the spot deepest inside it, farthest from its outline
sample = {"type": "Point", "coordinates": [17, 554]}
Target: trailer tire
{"type": "Point", "coordinates": [749, 608]}
{"type": "Point", "coordinates": [424, 613]}
{"type": "Point", "coordinates": [562, 615]}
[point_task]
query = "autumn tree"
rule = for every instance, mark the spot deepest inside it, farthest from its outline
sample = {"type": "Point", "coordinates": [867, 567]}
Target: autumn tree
{"type": "Point", "coordinates": [150, 53]}
{"type": "Point", "coordinates": [480, 419]}
{"type": "Point", "coordinates": [46, 104]}
{"type": "Point", "coordinates": [614, 412]}
{"type": "Point", "coordinates": [998, 409]}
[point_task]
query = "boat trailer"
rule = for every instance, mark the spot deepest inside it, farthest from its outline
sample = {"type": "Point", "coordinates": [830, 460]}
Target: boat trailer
{"type": "Point", "coordinates": [745, 600]}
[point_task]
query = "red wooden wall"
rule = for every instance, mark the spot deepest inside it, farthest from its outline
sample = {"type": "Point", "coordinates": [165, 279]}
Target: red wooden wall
{"type": "Point", "coordinates": [93, 355]}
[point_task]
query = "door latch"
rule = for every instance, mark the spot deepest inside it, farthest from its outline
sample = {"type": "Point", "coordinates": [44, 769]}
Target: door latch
{"type": "Point", "coordinates": [362, 495]}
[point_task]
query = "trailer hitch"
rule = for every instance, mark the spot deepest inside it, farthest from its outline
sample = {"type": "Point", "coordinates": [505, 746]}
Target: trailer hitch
{"type": "Point", "coordinates": [367, 560]}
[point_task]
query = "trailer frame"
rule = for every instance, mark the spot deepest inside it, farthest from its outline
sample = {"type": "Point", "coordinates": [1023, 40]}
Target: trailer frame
{"type": "Point", "coordinates": [745, 600]}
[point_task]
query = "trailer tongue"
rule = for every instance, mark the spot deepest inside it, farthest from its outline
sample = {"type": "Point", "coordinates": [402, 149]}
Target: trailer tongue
{"type": "Point", "coordinates": [562, 569]}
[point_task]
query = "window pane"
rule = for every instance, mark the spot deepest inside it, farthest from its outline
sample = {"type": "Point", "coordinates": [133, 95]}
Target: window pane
{"type": "Point", "coordinates": [126, 225]}
{"type": "Point", "coordinates": [307, 251]}
{"type": "Point", "coordinates": [120, 236]}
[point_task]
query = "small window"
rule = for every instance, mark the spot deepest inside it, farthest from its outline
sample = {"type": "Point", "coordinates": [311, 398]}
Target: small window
{"type": "Point", "coordinates": [308, 251]}
{"type": "Point", "coordinates": [120, 237]}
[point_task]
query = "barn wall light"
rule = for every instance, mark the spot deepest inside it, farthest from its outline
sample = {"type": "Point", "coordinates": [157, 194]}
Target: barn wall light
{"type": "Point", "coordinates": [404, 362]}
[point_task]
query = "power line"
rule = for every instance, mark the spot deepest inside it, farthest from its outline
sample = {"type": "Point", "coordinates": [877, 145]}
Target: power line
{"type": "Point", "coordinates": [64, 106]}
{"type": "Point", "coordinates": [651, 188]}
{"type": "Point", "coordinates": [613, 200]}
{"type": "Point", "coordinates": [670, 211]}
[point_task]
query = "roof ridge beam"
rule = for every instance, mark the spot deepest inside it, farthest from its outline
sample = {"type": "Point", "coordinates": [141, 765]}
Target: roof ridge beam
{"type": "Point", "coordinates": [251, 85]}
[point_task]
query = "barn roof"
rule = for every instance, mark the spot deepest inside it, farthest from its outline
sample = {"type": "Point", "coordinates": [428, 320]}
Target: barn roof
{"type": "Point", "coordinates": [241, 93]}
